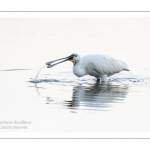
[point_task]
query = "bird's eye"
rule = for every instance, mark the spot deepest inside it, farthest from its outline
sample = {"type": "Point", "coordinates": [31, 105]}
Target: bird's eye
{"type": "Point", "coordinates": [75, 55]}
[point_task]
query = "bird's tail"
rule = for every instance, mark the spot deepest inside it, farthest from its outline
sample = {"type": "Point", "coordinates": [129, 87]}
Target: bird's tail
{"type": "Point", "coordinates": [127, 69]}
{"type": "Point", "coordinates": [124, 65]}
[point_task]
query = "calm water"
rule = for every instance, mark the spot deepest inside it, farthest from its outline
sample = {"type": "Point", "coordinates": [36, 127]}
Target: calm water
{"type": "Point", "coordinates": [59, 101]}
{"type": "Point", "coordinates": [64, 90]}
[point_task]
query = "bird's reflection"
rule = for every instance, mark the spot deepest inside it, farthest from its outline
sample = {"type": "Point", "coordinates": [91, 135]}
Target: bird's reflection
{"type": "Point", "coordinates": [97, 96]}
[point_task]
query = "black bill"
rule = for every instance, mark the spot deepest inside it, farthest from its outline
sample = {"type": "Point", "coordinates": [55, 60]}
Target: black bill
{"type": "Point", "coordinates": [58, 61]}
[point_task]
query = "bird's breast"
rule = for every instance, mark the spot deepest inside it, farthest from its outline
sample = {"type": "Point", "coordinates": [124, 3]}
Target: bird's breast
{"type": "Point", "coordinates": [79, 71]}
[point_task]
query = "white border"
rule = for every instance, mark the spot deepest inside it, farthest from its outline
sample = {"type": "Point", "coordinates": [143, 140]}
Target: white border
{"type": "Point", "coordinates": [76, 5]}
{"type": "Point", "coordinates": [115, 135]}
{"type": "Point", "coordinates": [74, 14]}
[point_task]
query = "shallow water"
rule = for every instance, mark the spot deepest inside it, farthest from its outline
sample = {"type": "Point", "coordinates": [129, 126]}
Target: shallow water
{"type": "Point", "coordinates": [54, 100]}
{"type": "Point", "coordinates": [62, 102]}
{"type": "Point", "coordinates": [87, 93]}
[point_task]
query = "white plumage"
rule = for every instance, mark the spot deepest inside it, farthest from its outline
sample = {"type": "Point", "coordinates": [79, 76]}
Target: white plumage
{"type": "Point", "coordinates": [98, 65]}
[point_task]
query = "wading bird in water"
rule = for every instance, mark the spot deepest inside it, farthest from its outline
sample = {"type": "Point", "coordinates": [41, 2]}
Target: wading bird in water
{"type": "Point", "coordinates": [98, 65]}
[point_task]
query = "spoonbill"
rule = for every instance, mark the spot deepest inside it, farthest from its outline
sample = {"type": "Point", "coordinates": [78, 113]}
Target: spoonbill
{"type": "Point", "coordinates": [98, 65]}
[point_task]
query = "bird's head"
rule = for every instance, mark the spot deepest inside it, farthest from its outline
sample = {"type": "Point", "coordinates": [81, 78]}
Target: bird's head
{"type": "Point", "coordinates": [73, 58]}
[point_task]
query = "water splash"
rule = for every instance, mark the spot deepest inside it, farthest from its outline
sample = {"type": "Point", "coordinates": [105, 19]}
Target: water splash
{"type": "Point", "coordinates": [39, 73]}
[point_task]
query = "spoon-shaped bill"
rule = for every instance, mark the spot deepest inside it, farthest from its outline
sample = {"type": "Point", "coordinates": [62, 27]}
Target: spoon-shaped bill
{"type": "Point", "coordinates": [51, 63]}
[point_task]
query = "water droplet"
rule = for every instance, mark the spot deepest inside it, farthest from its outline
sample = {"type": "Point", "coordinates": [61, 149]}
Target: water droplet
{"type": "Point", "coordinates": [38, 73]}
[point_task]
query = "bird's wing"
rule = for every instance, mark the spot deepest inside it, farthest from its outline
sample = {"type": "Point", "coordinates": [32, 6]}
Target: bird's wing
{"type": "Point", "coordinates": [104, 64]}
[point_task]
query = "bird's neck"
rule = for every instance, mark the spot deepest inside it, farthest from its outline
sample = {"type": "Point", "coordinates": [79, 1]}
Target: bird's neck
{"type": "Point", "coordinates": [79, 70]}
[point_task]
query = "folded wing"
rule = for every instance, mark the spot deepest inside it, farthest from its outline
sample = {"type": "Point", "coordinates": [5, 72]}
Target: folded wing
{"type": "Point", "coordinates": [104, 64]}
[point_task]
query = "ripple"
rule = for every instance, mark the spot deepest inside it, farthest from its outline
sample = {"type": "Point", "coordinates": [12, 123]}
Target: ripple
{"type": "Point", "coordinates": [43, 80]}
{"type": "Point", "coordinates": [65, 79]}
{"type": "Point", "coordinates": [134, 81]}
{"type": "Point", "coordinates": [69, 92]}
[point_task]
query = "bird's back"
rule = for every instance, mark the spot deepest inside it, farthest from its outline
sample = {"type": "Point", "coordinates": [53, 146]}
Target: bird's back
{"type": "Point", "coordinates": [102, 64]}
